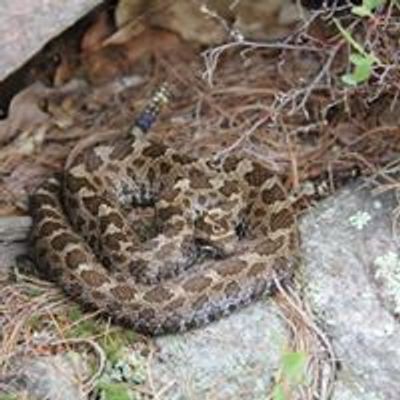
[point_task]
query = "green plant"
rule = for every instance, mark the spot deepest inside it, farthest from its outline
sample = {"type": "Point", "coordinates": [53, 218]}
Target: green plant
{"type": "Point", "coordinates": [291, 374]}
{"type": "Point", "coordinates": [114, 391]}
{"type": "Point", "coordinates": [363, 62]}
{"type": "Point", "coordinates": [367, 8]}
{"type": "Point", "coordinates": [8, 397]}
{"type": "Point", "coordinates": [115, 342]}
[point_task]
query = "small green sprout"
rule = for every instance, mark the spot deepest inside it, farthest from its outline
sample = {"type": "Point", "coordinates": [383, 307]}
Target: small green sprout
{"type": "Point", "coordinates": [367, 8]}
{"type": "Point", "coordinates": [360, 219]}
{"type": "Point", "coordinates": [291, 374]}
{"type": "Point", "coordinates": [362, 61]}
{"type": "Point", "coordinates": [113, 391]}
{"type": "Point", "coordinates": [363, 67]}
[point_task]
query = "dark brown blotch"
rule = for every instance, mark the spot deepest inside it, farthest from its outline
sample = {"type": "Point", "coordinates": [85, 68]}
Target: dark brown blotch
{"type": "Point", "coordinates": [137, 163]}
{"type": "Point", "coordinates": [94, 278]}
{"type": "Point", "coordinates": [39, 200]}
{"type": "Point", "coordinates": [158, 295]}
{"type": "Point", "coordinates": [74, 258]}
{"type": "Point", "coordinates": [146, 315]}
{"type": "Point", "coordinates": [257, 269]}
{"type": "Point", "coordinates": [75, 183]}
{"type": "Point", "coordinates": [113, 240]}
{"type": "Point", "coordinates": [92, 240]}
{"type": "Point", "coordinates": [275, 193]}
{"type": "Point", "coordinates": [154, 150]}
{"type": "Point", "coordinates": [260, 212]}
{"type": "Point", "coordinates": [230, 187]}
{"type": "Point", "coordinates": [281, 264]}
{"type": "Point", "coordinates": [62, 240]}
{"type": "Point", "coordinates": [230, 163]}
{"type": "Point", "coordinates": [71, 202]}
{"type": "Point", "coordinates": [197, 284]}
{"type": "Point", "coordinates": [282, 220]}
{"type": "Point", "coordinates": [166, 213]}
{"type": "Point", "coordinates": [175, 304]}
{"type": "Point", "coordinates": [50, 227]}
{"type": "Point", "coordinates": [119, 258]}
{"type": "Point", "coordinates": [115, 168]}
{"type": "Point", "coordinates": [200, 302]}
{"type": "Point", "coordinates": [165, 167]}
{"type": "Point", "coordinates": [218, 287]}
{"type": "Point", "coordinates": [232, 289]}
{"type": "Point", "coordinates": [171, 324]}
{"type": "Point", "coordinates": [79, 223]}
{"type": "Point", "coordinates": [92, 204]}
{"type": "Point", "coordinates": [137, 266]}
{"type": "Point", "coordinates": [92, 161]}
{"type": "Point", "coordinates": [122, 149]}
{"type": "Point", "coordinates": [98, 295]}
{"type": "Point", "coordinates": [258, 175]}
{"type": "Point", "coordinates": [55, 263]}
{"type": "Point", "coordinates": [151, 174]}
{"type": "Point", "coordinates": [171, 195]}
{"type": "Point", "coordinates": [269, 246]}
{"type": "Point", "coordinates": [231, 268]}
{"type": "Point", "coordinates": [92, 225]}
{"type": "Point", "coordinates": [181, 159]}
{"type": "Point", "coordinates": [123, 292]}
{"type": "Point", "coordinates": [198, 179]}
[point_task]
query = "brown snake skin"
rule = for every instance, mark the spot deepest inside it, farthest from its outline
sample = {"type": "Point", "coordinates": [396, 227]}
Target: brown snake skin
{"type": "Point", "coordinates": [218, 233]}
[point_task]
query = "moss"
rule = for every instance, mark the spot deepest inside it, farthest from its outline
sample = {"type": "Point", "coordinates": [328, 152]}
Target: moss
{"type": "Point", "coordinates": [8, 397]}
{"type": "Point", "coordinates": [360, 219]}
{"type": "Point", "coordinates": [115, 342]}
{"type": "Point", "coordinates": [114, 391]}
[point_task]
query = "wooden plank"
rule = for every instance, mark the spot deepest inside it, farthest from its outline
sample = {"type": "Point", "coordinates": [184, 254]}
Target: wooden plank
{"type": "Point", "coordinates": [14, 229]}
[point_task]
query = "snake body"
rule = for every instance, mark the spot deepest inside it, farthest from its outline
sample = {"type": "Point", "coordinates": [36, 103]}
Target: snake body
{"type": "Point", "coordinates": [217, 234]}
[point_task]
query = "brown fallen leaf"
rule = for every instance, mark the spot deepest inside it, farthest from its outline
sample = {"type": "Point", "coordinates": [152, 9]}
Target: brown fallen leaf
{"type": "Point", "coordinates": [115, 60]}
{"type": "Point", "coordinates": [26, 110]}
{"type": "Point", "coordinates": [210, 22]}
{"type": "Point", "coordinates": [97, 33]}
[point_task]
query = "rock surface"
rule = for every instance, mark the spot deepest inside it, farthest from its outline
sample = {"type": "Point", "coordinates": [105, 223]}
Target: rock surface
{"type": "Point", "coordinates": [235, 358]}
{"type": "Point", "coordinates": [57, 377]}
{"type": "Point", "coordinates": [352, 273]}
{"type": "Point", "coordinates": [26, 26]}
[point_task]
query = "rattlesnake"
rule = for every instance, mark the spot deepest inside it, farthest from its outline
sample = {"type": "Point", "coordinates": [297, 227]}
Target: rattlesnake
{"type": "Point", "coordinates": [220, 230]}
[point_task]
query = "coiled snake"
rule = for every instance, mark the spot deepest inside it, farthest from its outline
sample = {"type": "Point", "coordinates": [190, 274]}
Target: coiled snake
{"type": "Point", "coordinates": [218, 233]}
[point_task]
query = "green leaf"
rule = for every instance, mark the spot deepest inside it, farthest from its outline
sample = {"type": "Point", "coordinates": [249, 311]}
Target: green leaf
{"type": "Point", "coordinates": [278, 393]}
{"type": "Point", "coordinates": [356, 46]}
{"type": "Point", "coordinates": [8, 397]}
{"type": "Point", "coordinates": [361, 11]}
{"type": "Point", "coordinates": [361, 59]}
{"type": "Point", "coordinates": [373, 4]}
{"type": "Point", "coordinates": [362, 71]}
{"type": "Point", "coordinates": [114, 391]}
{"type": "Point", "coordinates": [349, 79]}
{"type": "Point", "coordinates": [367, 8]}
{"type": "Point", "coordinates": [294, 365]}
